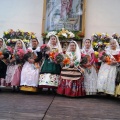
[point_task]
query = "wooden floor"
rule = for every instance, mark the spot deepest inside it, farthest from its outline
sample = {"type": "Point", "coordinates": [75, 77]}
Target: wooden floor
{"type": "Point", "coordinates": [26, 106]}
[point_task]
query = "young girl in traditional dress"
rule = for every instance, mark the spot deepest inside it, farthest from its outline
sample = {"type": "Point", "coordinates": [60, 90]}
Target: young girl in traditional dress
{"type": "Point", "coordinates": [14, 69]}
{"type": "Point", "coordinates": [31, 68]}
{"type": "Point", "coordinates": [90, 80]}
{"type": "Point", "coordinates": [107, 72]}
{"type": "Point", "coordinates": [71, 82]}
{"type": "Point", "coordinates": [50, 71]}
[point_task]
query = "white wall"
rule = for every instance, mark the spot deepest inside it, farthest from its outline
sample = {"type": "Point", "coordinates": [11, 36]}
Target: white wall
{"type": "Point", "coordinates": [102, 16]}
{"type": "Point", "coordinates": [21, 14]}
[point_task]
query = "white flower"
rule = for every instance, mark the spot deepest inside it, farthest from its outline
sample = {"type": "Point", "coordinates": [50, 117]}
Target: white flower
{"type": "Point", "coordinates": [103, 35]}
{"type": "Point", "coordinates": [71, 34]}
{"type": "Point", "coordinates": [8, 41]}
{"type": "Point", "coordinates": [64, 34]}
{"type": "Point", "coordinates": [14, 40]}
{"type": "Point", "coordinates": [51, 33]}
{"type": "Point", "coordinates": [114, 33]}
{"type": "Point", "coordinates": [95, 35]}
{"type": "Point", "coordinates": [99, 43]}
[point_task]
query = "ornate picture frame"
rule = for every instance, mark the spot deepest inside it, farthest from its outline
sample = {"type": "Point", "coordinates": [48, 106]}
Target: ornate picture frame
{"type": "Point", "coordinates": [68, 14]}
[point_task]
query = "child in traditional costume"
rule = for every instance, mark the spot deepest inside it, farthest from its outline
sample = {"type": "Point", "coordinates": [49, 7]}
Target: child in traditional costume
{"type": "Point", "coordinates": [50, 71]}
{"type": "Point", "coordinates": [14, 69]}
{"type": "Point", "coordinates": [71, 81]}
{"type": "Point", "coordinates": [90, 77]}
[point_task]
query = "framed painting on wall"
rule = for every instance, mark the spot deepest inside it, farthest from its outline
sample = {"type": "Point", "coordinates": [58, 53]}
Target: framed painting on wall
{"type": "Point", "coordinates": [68, 14]}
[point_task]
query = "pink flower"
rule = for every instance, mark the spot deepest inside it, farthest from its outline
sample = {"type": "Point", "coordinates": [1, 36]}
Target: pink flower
{"type": "Point", "coordinates": [44, 48]}
{"type": "Point", "coordinates": [29, 51]}
{"type": "Point", "coordinates": [101, 54]}
{"type": "Point", "coordinates": [10, 49]}
{"type": "Point", "coordinates": [58, 58]}
{"type": "Point", "coordinates": [82, 55]}
{"type": "Point", "coordinates": [20, 53]}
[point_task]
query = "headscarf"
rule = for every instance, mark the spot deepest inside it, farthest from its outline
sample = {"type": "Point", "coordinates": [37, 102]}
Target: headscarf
{"type": "Point", "coordinates": [110, 51]}
{"type": "Point", "coordinates": [89, 51]}
{"type": "Point", "coordinates": [117, 44]}
{"type": "Point", "coordinates": [4, 45]}
{"type": "Point", "coordinates": [58, 46]}
{"type": "Point", "coordinates": [23, 46]}
{"type": "Point", "coordinates": [77, 50]}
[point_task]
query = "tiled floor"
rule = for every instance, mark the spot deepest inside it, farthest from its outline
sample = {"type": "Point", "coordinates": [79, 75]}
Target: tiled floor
{"type": "Point", "coordinates": [26, 106]}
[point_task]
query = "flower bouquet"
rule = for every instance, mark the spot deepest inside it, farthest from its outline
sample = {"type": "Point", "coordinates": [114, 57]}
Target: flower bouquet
{"type": "Point", "coordinates": [19, 55]}
{"type": "Point", "coordinates": [44, 48]}
{"type": "Point", "coordinates": [115, 36]}
{"type": "Point", "coordinates": [12, 36]}
{"type": "Point", "coordinates": [84, 60]}
{"type": "Point", "coordinates": [66, 61]}
{"type": "Point", "coordinates": [58, 58]}
{"type": "Point", "coordinates": [65, 34]}
{"type": "Point", "coordinates": [105, 57]}
{"type": "Point", "coordinates": [6, 50]}
{"type": "Point", "coordinates": [52, 55]}
{"type": "Point", "coordinates": [100, 41]}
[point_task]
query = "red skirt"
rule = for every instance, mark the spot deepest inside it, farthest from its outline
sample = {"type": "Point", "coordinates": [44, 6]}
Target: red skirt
{"type": "Point", "coordinates": [72, 88]}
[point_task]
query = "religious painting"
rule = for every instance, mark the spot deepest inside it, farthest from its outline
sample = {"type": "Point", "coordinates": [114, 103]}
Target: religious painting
{"type": "Point", "coordinates": [68, 14]}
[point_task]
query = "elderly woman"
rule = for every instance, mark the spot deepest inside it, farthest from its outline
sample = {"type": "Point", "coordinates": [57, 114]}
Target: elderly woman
{"type": "Point", "coordinates": [30, 70]}
{"type": "Point", "coordinates": [71, 82]}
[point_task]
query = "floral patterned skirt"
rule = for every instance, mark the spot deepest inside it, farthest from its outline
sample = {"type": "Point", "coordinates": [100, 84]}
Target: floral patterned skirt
{"type": "Point", "coordinates": [72, 88]}
{"type": "Point", "coordinates": [48, 80]}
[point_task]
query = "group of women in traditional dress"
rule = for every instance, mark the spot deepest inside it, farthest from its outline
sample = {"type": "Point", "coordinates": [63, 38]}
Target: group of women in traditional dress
{"type": "Point", "coordinates": [36, 70]}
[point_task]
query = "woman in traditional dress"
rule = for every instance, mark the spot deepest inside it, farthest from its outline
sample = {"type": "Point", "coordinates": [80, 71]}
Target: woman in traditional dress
{"type": "Point", "coordinates": [50, 71]}
{"type": "Point", "coordinates": [3, 61]}
{"type": "Point", "coordinates": [31, 68]}
{"type": "Point", "coordinates": [71, 82]}
{"type": "Point", "coordinates": [107, 72]}
{"type": "Point", "coordinates": [90, 80]}
{"type": "Point", "coordinates": [35, 47]}
{"type": "Point", "coordinates": [14, 68]}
